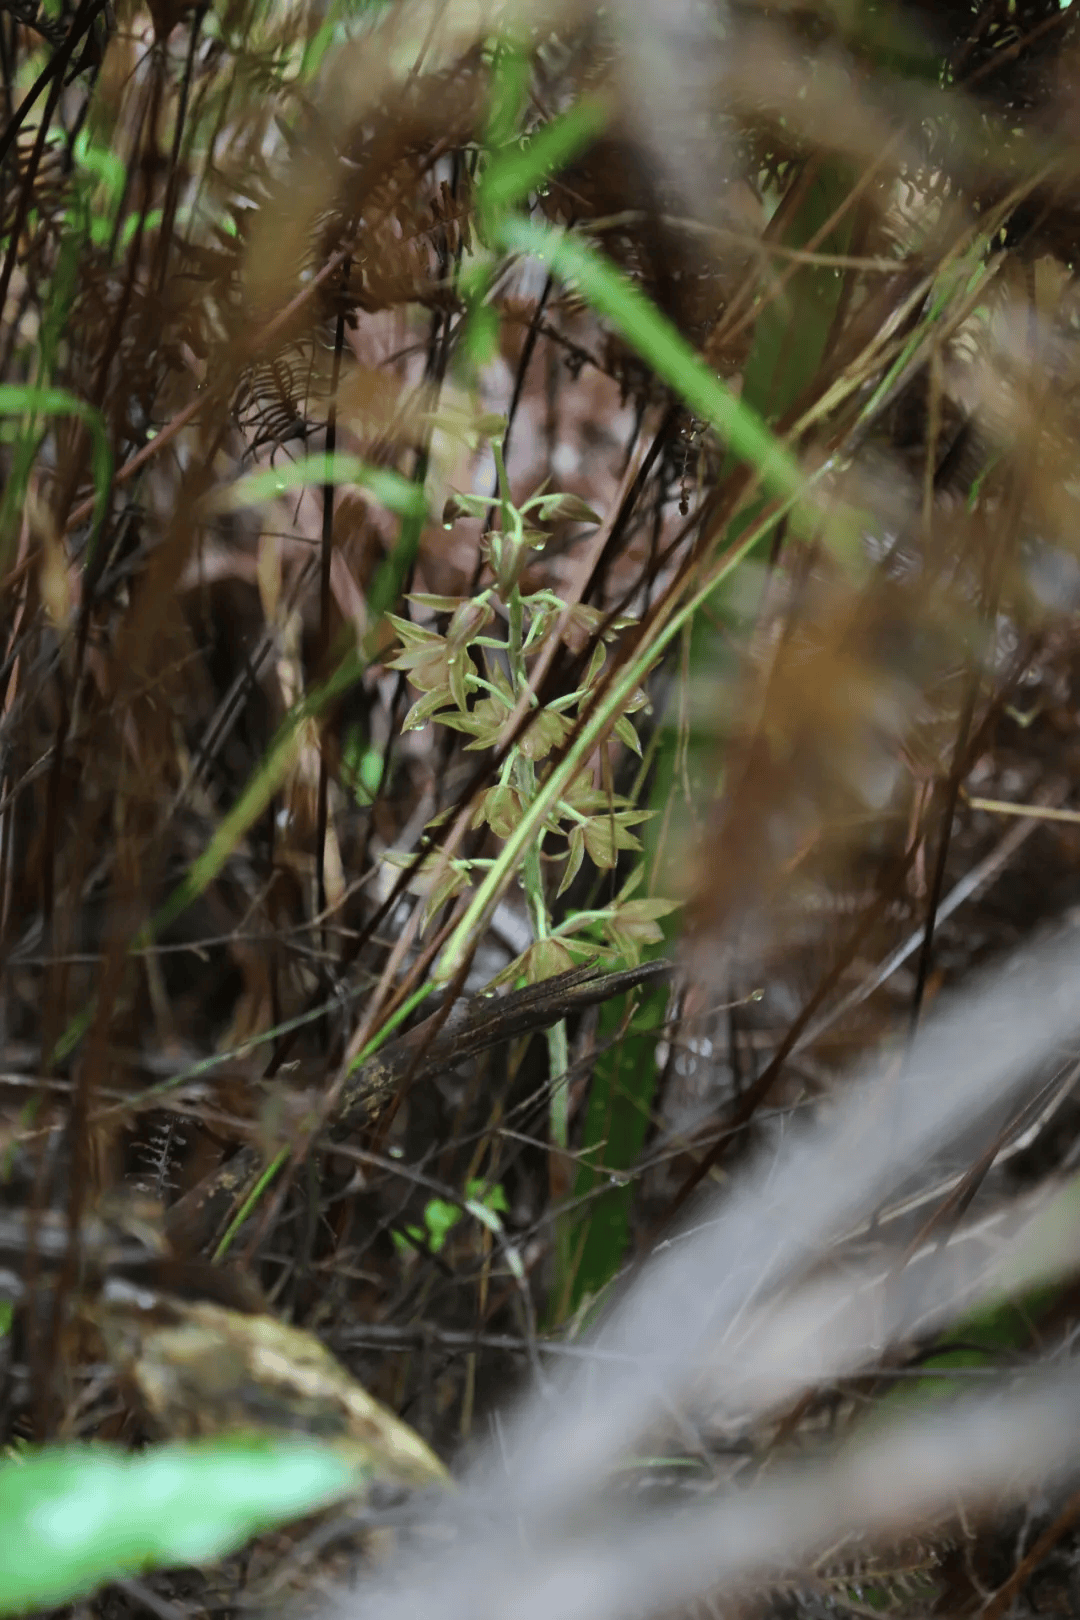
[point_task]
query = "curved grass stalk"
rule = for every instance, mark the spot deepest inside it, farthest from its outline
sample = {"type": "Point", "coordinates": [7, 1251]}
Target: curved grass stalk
{"type": "Point", "coordinates": [595, 726]}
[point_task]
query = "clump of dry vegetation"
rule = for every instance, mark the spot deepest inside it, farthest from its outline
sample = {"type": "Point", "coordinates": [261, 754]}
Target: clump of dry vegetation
{"type": "Point", "coordinates": [540, 602]}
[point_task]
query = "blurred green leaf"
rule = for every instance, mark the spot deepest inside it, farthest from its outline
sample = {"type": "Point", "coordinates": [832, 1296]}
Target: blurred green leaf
{"type": "Point", "coordinates": [623, 1084]}
{"type": "Point", "coordinates": [993, 1335]}
{"type": "Point", "coordinates": [658, 342]}
{"type": "Point", "coordinates": [393, 491]}
{"type": "Point", "coordinates": [260, 789]}
{"type": "Point", "coordinates": [18, 399]}
{"type": "Point", "coordinates": [73, 1517]}
{"type": "Point", "coordinates": [511, 175]}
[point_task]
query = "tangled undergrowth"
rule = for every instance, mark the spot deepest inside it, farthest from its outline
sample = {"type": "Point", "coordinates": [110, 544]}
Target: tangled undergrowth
{"type": "Point", "coordinates": [540, 599]}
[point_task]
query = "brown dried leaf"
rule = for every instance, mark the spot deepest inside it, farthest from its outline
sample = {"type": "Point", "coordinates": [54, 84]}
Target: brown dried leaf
{"type": "Point", "coordinates": [200, 1369]}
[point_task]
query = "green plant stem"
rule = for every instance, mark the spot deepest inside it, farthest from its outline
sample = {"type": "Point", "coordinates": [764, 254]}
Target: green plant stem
{"type": "Point", "coordinates": [532, 876]}
{"type": "Point", "coordinates": [532, 879]}
{"type": "Point", "coordinates": [505, 503]}
{"type": "Point", "coordinates": [249, 1204]}
{"type": "Point", "coordinates": [596, 723]}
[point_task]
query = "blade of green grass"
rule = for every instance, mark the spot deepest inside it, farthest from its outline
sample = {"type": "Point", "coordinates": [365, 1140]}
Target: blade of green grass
{"type": "Point", "coordinates": [659, 343]}
{"type": "Point", "coordinates": [742, 428]}
{"type": "Point", "coordinates": [511, 175]}
{"type": "Point", "coordinates": [394, 491]}
{"type": "Point", "coordinates": [616, 1120]}
{"type": "Point", "coordinates": [264, 783]}
{"type": "Point", "coordinates": [595, 725]}
{"type": "Point", "coordinates": [74, 1517]}
{"type": "Point", "coordinates": [30, 402]}
{"type": "Point", "coordinates": [789, 342]}
{"type": "Point", "coordinates": [279, 757]}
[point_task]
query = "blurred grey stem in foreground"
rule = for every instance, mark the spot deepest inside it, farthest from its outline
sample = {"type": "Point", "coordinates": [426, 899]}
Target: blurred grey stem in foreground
{"type": "Point", "coordinates": [668, 57]}
{"type": "Point", "coordinates": [533, 1540]}
{"type": "Point", "coordinates": [611, 1570]}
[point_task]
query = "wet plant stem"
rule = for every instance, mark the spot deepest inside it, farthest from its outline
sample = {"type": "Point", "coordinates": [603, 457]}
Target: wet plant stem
{"type": "Point", "coordinates": [531, 872]}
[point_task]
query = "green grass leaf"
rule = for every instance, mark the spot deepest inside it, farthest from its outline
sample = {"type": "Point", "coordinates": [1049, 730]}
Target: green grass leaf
{"type": "Point", "coordinates": [73, 1517]}
{"type": "Point", "coordinates": [510, 176]}
{"type": "Point", "coordinates": [393, 491]}
{"type": "Point", "coordinates": [19, 399]}
{"type": "Point", "coordinates": [260, 789]}
{"type": "Point", "coordinates": [659, 343]}
{"type": "Point", "coordinates": [616, 1120]}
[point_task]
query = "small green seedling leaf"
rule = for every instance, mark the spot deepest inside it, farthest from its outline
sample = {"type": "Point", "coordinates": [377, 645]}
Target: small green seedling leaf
{"type": "Point", "coordinates": [482, 1201]}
